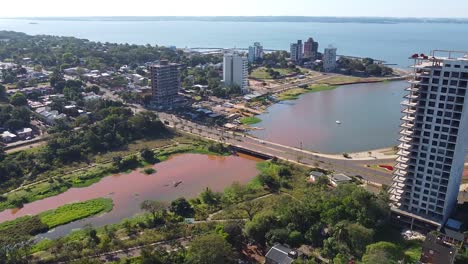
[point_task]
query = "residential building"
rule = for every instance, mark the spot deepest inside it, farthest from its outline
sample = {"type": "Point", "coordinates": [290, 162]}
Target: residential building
{"type": "Point", "coordinates": [329, 59]}
{"type": "Point", "coordinates": [296, 51]}
{"type": "Point", "coordinates": [314, 175]}
{"type": "Point", "coordinates": [311, 49]}
{"type": "Point", "coordinates": [8, 137]}
{"type": "Point", "coordinates": [280, 254]}
{"type": "Point", "coordinates": [433, 142]}
{"type": "Point", "coordinates": [255, 52]}
{"type": "Point", "coordinates": [24, 133]}
{"type": "Point", "coordinates": [165, 83]}
{"type": "Point", "coordinates": [338, 178]}
{"type": "Point", "coordinates": [235, 71]}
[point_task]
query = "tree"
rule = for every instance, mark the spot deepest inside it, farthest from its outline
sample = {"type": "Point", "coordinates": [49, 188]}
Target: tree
{"type": "Point", "coordinates": [147, 155]}
{"type": "Point", "coordinates": [210, 249]}
{"type": "Point", "coordinates": [2, 92]}
{"type": "Point", "coordinates": [181, 207]}
{"type": "Point", "coordinates": [260, 226]}
{"type": "Point", "coordinates": [156, 209]}
{"type": "Point", "coordinates": [18, 99]}
{"type": "Point", "coordinates": [382, 253]}
{"type": "Point", "coordinates": [251, 208]}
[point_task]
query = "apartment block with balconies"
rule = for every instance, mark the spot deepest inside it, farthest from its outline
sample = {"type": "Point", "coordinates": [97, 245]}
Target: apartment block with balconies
{"type": "Point", "coordinates": [433, 139]}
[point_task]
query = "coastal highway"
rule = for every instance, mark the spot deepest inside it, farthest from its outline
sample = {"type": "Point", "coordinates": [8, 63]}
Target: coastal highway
{"type": "Point", "coordinates": [307, 158]}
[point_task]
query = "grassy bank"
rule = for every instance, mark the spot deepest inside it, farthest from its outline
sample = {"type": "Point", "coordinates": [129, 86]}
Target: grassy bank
{"type": "Point", "coordinates": [250, 120]}
{"type": "Point", "coordinates": [294, 94]}
{"type": "Point", "coordinates": [72, 212]}
{"type": "Point", "coordinates": [28, 226]}
{"type": "Point", "coordinates": [85, 178]}
{"type": "Point", "coordinates": [262, 73]}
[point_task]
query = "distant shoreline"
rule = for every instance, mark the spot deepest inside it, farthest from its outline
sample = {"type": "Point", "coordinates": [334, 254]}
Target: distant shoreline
{"type": "Point", "coordinates": [300, 19]}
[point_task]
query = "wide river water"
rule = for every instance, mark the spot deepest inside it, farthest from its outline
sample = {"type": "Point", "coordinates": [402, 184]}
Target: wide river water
{"type": "Point", "coordinates": [390, 42]}
{"type": "Point", "coordinates": [369, 116]}
{"type": "Point", "coordinates": [127, 191]}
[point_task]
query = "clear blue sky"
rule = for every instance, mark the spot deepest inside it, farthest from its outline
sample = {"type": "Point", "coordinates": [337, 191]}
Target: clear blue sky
{"type": "Point", "coordinates": [390, 8]}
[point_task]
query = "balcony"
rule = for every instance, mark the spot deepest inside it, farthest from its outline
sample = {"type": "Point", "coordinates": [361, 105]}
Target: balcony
{"type": "Point", "coordinates": [412, 89]}
{"type": "Point", "coordinates": [413, 81]}
{"type": "Point", "coordinates": [402, 159]}
{"type": "Point", "coordinates": [405, 139]}
{"type": "Point", "coordinates": [403, 153]}
{"type": "Point", "coordinates": [401, 166]}
{"type": "Point", "coordinates": [408, 103]}
{"type": "Point", "coordinates": [411, 96]}
{"type": "Point", "coordinates": [409, 111]}
{"type": "Point", "coordinates": [406, 132]}
{"type": "Point", "coordinates": [407, 125]}
{"type": "Point", "coordinates": [405, 146]}
{"type": "Point", "coordinates": [401, 173]}
{"type": "Point", "coordinates": [408, 118]}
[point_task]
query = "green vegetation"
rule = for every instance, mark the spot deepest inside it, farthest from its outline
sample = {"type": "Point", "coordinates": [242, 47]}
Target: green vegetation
{"type": "Point", "coordinates": [294, 94]}
{"type": "Point", "coordinates": [250, 120]}
{"type": "Point", "coordinates": [366, 65]}
{"type": "Point", "coordinates": [24, 227]}
{"type": "Point", "coordinates": [149, 171]}
{"type": "Point", "coordinates": [87, 177]}
{"type": "Point", "coordinates": [264, 73]}
{"type": "Point", "coordinates": [72, 212]}
{"type": "Point", "coordinates": [278, 206]}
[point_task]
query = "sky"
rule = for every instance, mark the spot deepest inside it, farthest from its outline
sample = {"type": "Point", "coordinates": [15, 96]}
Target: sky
{"type": "Point", "coordinates": [349, 8]}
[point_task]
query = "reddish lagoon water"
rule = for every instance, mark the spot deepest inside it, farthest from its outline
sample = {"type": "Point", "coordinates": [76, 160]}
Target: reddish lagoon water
{"type": "Point", "coordinates": [369, 114]}
{"type": "Point", "coordinates": [128, 190]}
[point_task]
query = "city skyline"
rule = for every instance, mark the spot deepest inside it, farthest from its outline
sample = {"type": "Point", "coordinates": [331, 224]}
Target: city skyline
{"type": "Point", "coordinates": [361, 8]}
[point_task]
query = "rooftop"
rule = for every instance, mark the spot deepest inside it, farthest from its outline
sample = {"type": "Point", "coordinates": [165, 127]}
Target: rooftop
{"type": "Point", "coordinates": [279, 254]}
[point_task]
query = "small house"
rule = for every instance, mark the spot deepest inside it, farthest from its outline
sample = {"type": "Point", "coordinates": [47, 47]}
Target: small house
{"type": "Point", "coordinates": [314, 175]}
{"type": "Point", "coordinates": [338, 178]}
{"type": "Point", "coordinates": [24, 133]}
{"type": "Point", "coordinates": [8, 137]}
{"type": "Point", "coordinates": [280, 254]}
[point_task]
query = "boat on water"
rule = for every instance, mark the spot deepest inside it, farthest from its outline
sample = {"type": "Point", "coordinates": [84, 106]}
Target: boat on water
{"type": "Point", "coordinates": [177, 183]}
{"type": "Point", "coordinates": [338, 122]}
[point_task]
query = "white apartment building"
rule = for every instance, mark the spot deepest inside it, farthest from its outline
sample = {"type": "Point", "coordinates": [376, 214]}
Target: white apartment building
{"type": "Point", "coordinates": [329, 59]}
{"type": "Point", "coordinates": [433, 142]}
{"type": "Point", "coordinates": [296, 50]}
{"type": "Point", "coordinates": [255, 52]}
{"type": "Point", "coordinates": [235, 71]}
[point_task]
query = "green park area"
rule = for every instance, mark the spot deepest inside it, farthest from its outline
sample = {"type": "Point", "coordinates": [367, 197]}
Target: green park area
{"type": "Point", "coordinates": [294, 94]}
{"type": "Point", "coordinates": [263, 73]}
{"type": "Point", "coordinates": [250, 120]}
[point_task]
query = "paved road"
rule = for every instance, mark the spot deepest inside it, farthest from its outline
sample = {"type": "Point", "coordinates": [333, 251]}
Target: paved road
{"type": "Point", "coordinates": [349, 167]}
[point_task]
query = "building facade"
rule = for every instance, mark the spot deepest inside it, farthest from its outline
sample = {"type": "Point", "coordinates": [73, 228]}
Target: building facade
{"type": "Point", "coordinates": [311, 49]}
{"type": "Point", "coordinates": [329, 59]}
{"type": "Point", "coordinates": [297, 51]}
{"type": "Point", "coordinates": [235, 71]}
{"type": "Point", "coordinates": [165, 83]}
{"type": "Point", "coordinates": [255, 52]}
{"type": "Point", "coordinates": [433, 140]}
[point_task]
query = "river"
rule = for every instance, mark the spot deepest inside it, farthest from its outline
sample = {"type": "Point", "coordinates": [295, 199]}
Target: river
{"type": "Point", "coordinates": [127, 191]}
{"type": "Point", "coordinates": [369, 115]}
{"type": "Point", "coordinates": [390, 42]}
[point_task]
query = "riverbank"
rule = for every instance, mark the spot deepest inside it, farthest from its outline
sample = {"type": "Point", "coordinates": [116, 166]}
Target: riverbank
{"type": "Point", "coordinates": [28, 226]}
{"type": "Point", "coordinates": [92, 174]}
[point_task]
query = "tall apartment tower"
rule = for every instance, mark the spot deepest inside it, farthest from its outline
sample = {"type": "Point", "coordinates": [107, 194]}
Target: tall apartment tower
{"type": "Point", "coordinates": [329, 59]}
{"type": "Point", "coordinates": [296, 51]}
{"type": "Point", "coordinates": [310, 49]}
{"type": "Point", "coordinates": [165, 83]}
{"type": "Point", "coordinates": [433, 142]}
{"type": "Point", "coordinates": [235, 71]}
{"type": "Point", "coordinates": [255, 52]}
